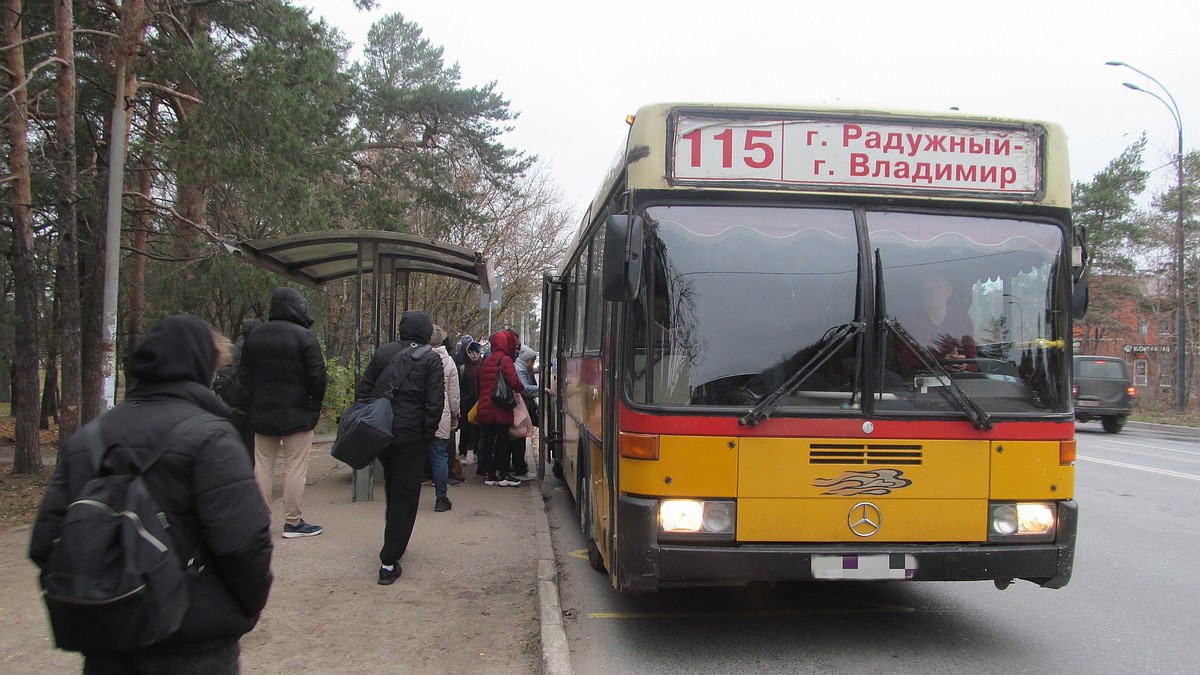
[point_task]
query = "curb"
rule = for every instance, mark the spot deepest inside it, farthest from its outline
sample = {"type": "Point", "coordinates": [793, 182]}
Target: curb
{"type": "Point", "coordinates": [1173, 428]}
{"type": "Point", "coordinates": [556, 655]}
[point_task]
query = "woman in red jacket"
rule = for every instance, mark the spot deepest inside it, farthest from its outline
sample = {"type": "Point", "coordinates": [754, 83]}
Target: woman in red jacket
{"type": "Point", "coordinates": [493, 420]}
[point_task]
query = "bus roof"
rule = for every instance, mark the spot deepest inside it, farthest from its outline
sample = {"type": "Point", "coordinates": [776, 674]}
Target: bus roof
{"type": "Point", "coordinates": [840, 151]}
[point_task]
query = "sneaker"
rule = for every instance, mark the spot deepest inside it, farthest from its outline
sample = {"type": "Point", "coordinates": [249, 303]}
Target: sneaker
{"type": "Point", "coordinates": [442, 504]}
{"type": "Point", "coordinates": [526, 476]}
{"type": "Point", "coordinates": [389, 577]}
{"type": "Point", "coordinates": [491, 481]}
{"type": "Point", "coordinates": [454, 480]}
{"type": "Point", "coordinates": [508, 481]}
{"type": "Point", "coordinates": [301, 529]}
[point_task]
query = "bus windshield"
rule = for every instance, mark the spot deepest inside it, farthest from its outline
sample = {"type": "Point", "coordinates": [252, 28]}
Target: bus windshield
{"type": "Point", "coordinates": [741, 303]}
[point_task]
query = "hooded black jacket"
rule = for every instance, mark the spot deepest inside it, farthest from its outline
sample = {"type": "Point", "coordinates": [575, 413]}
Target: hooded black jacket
{"type": "Point", "coordinates": [204, 483]}
{"type": "Point", "coordinates": [418, 399]}
{"type": "Point", "coordinates": [281, 369]}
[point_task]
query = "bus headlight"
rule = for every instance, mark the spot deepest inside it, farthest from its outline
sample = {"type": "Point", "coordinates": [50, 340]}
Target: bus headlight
{"type": "Point", "coordinates": [692, 518]}
{"type": "Point", "coordinates": [1009, 521]}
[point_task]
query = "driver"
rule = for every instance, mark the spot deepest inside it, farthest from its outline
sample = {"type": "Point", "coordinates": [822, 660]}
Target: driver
{"type": "Point", "coordinates": [942, 326]}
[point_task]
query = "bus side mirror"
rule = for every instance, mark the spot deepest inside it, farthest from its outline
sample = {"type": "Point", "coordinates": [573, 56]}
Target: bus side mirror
{"type": "Point", "coordinates": [1079, 277]}
{"type": "Point", "coordinates": [1079, 295]}
{"type": "Point", "coordinates": [622, 257]}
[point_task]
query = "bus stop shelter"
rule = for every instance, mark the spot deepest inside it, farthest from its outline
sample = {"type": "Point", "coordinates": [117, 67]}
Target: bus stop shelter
{"type": "Point", "coordinates": [314, 259]}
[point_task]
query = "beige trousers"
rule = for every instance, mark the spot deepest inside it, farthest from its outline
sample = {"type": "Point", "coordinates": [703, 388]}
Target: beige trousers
{"type": "Point", "coordinates": [295, 449]}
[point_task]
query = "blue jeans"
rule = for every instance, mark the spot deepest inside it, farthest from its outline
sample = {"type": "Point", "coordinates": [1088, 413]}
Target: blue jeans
{"type": "Point", "coordinates": [438, 459]}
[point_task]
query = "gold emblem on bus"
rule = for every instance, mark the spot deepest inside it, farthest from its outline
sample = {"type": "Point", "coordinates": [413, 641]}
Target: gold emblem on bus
{"type": "Point", "coordinates": [877, 482]}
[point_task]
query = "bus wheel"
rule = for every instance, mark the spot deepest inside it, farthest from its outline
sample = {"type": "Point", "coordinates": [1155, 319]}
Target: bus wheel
{"type": "Point", "coordinates": [583, 506]}
{"type": "Point", "coordinates": [557, 469]}
{"type": "Point", "coordinates": [594, 558]}
{"type": "Point", "coordinates": [585, 524]}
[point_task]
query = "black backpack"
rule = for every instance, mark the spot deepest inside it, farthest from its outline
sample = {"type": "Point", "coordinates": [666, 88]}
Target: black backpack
{"type": "Point", "coordinates": [227, 387]}
{"type": "Point", "coordinates": [114, 582]}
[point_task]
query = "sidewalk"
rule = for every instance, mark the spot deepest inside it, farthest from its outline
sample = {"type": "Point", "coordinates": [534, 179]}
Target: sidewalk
{"type": "Point", "coordinates": [479, 591]}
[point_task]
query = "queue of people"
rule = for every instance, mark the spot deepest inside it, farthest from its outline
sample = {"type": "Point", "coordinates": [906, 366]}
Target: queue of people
{"type": "Point", "coordinates": [269, 390]}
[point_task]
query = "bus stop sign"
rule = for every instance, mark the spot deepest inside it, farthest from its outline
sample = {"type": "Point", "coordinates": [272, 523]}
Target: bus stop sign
{"type": "Point", "coordinates": [492, 301]}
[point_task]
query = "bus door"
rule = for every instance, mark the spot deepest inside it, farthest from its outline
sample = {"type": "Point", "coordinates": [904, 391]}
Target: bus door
{"type": "Point", "coordinates": [550, 438]}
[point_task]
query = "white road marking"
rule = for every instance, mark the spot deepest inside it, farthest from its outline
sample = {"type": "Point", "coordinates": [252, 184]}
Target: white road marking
{"type": "Point", "coordinates": [1161, 472]}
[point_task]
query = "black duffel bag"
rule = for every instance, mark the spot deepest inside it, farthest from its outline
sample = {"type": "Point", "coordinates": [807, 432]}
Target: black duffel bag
{"type": "Point", "coordinates": [364, 432]}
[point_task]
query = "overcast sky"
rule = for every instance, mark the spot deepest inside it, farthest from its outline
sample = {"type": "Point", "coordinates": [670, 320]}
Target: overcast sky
{"type": "Point", "coordinates": [574, 68]}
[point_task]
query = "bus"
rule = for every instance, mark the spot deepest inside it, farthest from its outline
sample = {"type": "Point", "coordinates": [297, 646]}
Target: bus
{"type": "Point", "coordinates": [802, 343]}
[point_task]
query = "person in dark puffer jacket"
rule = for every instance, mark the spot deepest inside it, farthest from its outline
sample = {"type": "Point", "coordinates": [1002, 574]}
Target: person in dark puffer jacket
{"type": "Point", "coordinates": [206, 488]}
{"type": "Point", "coordinates": [417, 402]}
{"type": "Point", "coordinates": [283, 376]}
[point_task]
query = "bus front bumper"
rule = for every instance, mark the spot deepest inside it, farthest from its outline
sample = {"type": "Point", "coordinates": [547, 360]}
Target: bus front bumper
{"type": "Point", "coordinates": [645, 564]}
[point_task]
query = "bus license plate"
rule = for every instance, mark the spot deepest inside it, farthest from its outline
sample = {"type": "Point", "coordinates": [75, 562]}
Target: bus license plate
{"type": "Point", "coordinates": [864, 567]}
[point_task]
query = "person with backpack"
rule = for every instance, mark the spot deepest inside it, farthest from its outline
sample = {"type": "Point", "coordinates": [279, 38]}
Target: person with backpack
{"type": "Point", "coordinates": [198, 563]}
{"type": "Point", "coordinates": [411, 372]}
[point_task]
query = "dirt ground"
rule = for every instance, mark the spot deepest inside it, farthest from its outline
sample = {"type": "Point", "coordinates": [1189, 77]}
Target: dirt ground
{"type": "Point", "coordinates": [467, 601]}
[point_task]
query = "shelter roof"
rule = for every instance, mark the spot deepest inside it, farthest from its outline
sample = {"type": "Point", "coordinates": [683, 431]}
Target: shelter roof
{"type": "Point", "coordinates": [316, 258]}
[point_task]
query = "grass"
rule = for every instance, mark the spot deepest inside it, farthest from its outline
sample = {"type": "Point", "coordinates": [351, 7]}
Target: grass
{"type": "Point", "coordinates": [20, 496]}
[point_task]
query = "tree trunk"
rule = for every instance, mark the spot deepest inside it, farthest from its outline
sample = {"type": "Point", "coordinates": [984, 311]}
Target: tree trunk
{"type": "Point", "coordinates": [191, 203]}
{"type": "Point", "coordinates": [136, 272]}
{"type": "Point", "coordinates": [91, 276]}
{"type": "Point", "coordinates": [50, 391]}
{"type": "Point", "coordinates": [27, 456]}
{"type": "Point", "coordinates": [192, 192]}
{"type": "Point", "coordinates": [68, 227]}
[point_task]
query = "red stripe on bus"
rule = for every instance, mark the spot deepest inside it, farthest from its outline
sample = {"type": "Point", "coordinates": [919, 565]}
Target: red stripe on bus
{"type": "Point", "coordinates": [698, 425]}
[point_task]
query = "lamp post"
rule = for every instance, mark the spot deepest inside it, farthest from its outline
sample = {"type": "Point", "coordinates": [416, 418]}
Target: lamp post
{"type": "Point", "coordinates": [1181, 309]}
{"type": "Point", "coordinates": [1020, 327]}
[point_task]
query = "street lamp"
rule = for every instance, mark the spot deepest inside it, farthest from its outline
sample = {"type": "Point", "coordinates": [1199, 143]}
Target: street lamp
{"type": "Point", "coordinates": [1181, 309]}
{"type": "Point", "coordinates": [1020, 328]}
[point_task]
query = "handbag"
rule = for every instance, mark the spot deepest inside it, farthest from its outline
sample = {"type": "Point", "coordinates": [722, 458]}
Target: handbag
{"type": "Point", "coordinates": [531, 403]}
{"type": "Point", "coordinates": [503, 395]}
{"type": "Point", "coordinates": [364, 432]}
{"type": "Point", "coordinates": [472, 413]}
{"type": "Point", "coordinates": [521, 427]}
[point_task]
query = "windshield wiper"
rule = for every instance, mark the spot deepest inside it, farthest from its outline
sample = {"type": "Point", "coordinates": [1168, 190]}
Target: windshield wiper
{"type": "Point", "coordinates": [830, 343]}
{"type": "Point", "coordinates": [952, 391]}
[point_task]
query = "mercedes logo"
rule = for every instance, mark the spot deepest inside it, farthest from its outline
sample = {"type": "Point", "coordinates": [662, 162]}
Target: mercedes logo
{"type": "Point", "coordinates": [864, 519]}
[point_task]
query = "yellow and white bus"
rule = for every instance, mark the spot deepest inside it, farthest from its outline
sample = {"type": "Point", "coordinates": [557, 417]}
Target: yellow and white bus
{"type": "Point", "coordinates": [805, 343]}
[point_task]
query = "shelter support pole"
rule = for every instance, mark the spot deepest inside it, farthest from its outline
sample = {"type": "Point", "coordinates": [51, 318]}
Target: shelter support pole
{"type": "Point", "coordinates": [364, 479]}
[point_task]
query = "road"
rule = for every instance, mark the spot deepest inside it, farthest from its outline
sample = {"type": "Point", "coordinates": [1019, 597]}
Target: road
{"type": "Point", "coordinates": [1133, 604]}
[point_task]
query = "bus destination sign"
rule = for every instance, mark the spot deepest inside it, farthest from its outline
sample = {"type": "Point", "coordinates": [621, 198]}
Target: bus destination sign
{"type": "Point", "coordinates": [858, 155]}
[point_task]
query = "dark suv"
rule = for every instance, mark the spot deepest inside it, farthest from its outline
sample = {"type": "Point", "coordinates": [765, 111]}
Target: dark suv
{"type": "Point", "coordinates": [1102, 390]}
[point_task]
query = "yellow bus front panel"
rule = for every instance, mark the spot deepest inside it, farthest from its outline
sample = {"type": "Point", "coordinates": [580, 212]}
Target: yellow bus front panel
{"type": "Point", "coordinates": [688, 466]}
{"type": "Point", "coordinates": [805, 489]}
{"type": "Point", "coordinates": [1030, 470]}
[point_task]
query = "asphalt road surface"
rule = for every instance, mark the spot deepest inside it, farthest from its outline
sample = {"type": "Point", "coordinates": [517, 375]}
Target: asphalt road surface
{"type": "Point", "coordinates": [1133, 604]}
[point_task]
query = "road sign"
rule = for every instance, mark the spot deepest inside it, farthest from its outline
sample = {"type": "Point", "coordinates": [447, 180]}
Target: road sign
{"type": "Point", "coordinates": [492, 301]}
